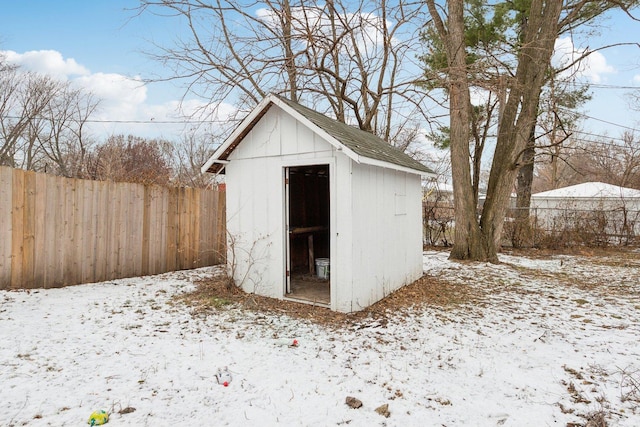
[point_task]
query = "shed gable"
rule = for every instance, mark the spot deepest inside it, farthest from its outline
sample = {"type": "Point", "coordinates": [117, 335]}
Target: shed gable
{"type": "Point", "coordinates": [278, 134]}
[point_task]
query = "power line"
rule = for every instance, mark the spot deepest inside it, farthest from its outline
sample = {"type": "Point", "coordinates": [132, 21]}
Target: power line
{"type": "Point", "coordinates": [150, 121]}
{"type": "Point", "coordinates": [605, 86]}
{"type": "Point", "coordinates": [577, 113]}
{"type": "Point", "coordinates": [143, 122]}
{"type": "Point", "coordinates": [607, 122]}
{"type": "Point", "coordinates": [603, 140]}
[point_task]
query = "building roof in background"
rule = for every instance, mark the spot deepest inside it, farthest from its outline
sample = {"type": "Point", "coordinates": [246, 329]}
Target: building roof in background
{"type": "Point", "coordinates": [589, 190]}
{"type": "Point", "coordinates": [440, 187]}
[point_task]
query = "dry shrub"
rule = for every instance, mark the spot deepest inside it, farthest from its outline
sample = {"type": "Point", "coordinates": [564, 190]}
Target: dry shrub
{"type": "Point", "coordinates": [597, 419]}
{"type": "Point", "coordinates": [587, 229]}
{"type": "Point", "coordinates": [518, 232]}
{"type": "Point", "coordinates": [438, 224]}
{"type": "Point", "coordinates": [630, 385]}
{"type": "Point", "coordinates": [595, 229]}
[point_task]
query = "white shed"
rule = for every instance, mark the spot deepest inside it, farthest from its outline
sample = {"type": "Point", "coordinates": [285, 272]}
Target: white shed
{"type": "Point", "coordinates": [318, 211]}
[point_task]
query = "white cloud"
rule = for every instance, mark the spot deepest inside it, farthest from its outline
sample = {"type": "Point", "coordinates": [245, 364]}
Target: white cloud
{"type": "Point", "coordinates": [636, 78]}
{"type": "Point", "coordinates": [124, 107]}
{"type": "Point", "coordinates": [593, 67]}
{"type": "Point", "coordinates": [119, 93]}
{"type": "Point", "coordinates": [48, 62]}
{"type": "Point", "coordinates": [120, 96]}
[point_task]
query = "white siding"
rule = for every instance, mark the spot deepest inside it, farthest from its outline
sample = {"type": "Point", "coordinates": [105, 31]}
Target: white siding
{"type": "Point", "coordinates": [342, 236]}
{"type": "Point", "coordinates": [254, 224]}
{"type": "Point", "coordinates": [387, 252]}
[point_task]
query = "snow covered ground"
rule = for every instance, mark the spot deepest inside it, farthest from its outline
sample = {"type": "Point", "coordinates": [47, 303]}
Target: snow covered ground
{"type": "Point", "coordinates": [552, 341]}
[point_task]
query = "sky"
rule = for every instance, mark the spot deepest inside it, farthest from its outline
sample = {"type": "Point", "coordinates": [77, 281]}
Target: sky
{"type": "Point", "coordinates": [541, 341]}
{"type": "Point", "coordinates": [100, 45]}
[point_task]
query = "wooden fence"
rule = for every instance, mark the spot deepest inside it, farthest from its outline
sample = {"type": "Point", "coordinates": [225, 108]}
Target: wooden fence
{"type": "Point", "coordinates": [59, 231]}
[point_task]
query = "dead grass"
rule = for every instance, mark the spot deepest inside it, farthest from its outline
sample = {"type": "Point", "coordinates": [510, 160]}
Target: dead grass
{"type": "Point", "coordinates": [213, 294]}
{"type": "Point", "coordinates": [428, 291]}
{"type": "Point", "coordinates": [613, 256]}
{"type": "Point", "coordinates": [583, 278]}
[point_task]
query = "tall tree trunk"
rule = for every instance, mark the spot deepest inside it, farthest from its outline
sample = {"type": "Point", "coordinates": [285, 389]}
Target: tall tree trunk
{"type": "Point", "coordinates": [519, 115]}
{"type": "Point", "coordinates": [469, 240]}
{"type": "Point", "coordinates": [290, 61]}
{"type": "Point", "coordinates": [522, 227]}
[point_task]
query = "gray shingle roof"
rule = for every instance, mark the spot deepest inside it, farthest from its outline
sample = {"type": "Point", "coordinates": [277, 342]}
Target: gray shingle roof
{"type": "Point", "coordinates": [361, 142]}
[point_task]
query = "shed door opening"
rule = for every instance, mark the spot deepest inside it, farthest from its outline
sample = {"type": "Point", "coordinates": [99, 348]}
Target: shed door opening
{"type": "Point", "coordinates": [308, 258]}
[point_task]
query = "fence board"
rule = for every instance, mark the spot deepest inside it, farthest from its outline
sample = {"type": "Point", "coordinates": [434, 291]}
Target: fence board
{"type": "Point", "coordinates": [133, 233]}
{"type": "Point", "coordinates": [77, 231]}
{"type": "Point", "coordinates": [146, 224]}
{"type": "Point", "coordinates": [155, 233]}
{"type": "Point", "coordinates": [57, 231]}
{"type": "Point", "coordinates": [17, 246]}
{"type": "Point", "coordinates": [113, 230]}
{"type": "Point", "coordinates": [89, 237]}
{"type": "Point", "coordinates": [29, 229]}
{"type": "Point", "coordinates": [163, 204]}
{"type": "Point", "coordinates": [68, 266]}
{"type": "Point", "coordinates": [195, 227]}
{"type": "Point", "coordinates": [138, 227]}
{"type": "Point", "coordinates": [182, 228]}
{"type": "Point", "coordinates": [203, 229]}
{"type": "Point", "coordinates": [48, 219]}
{"type": "Point", "coordinates": [190, 235]}
{"type": "Point", "coordinates": [171, 253]}
{"type": "Point", "coordinates": [6, 226]}
{"type": "Point", "coordinates": [126, 228]}
{"type": "Point", "coordinates": [101, 219]}
{"type": "Point", "coordinates": [40, 230]}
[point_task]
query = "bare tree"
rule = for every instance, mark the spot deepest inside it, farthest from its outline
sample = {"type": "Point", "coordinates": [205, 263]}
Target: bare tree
{"type": "Point", "coordinates": [615, 161]}
{"type": "Point", "coordinates": [42, 122]}
{"type": "Point", "coordinates": [131, 159]}
{"type": "Point", "coordinates": [23, 97]}
{"type": "Point", "coordinates": [188, 156]}
{"type": "Point", "coordinates": [354, 60]}
{"type": "Point", "coordinates": [559, 122]}
{"type": "Point", "coordinates": [61, 130]}
{"type": "Point", "coordinates": [554, 167]}
{"type": "Point", "coordinates": [11, 126]}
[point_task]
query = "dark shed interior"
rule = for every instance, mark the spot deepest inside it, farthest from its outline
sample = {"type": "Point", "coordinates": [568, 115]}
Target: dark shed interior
{"type": "Point", "coordinates": [308, 216]}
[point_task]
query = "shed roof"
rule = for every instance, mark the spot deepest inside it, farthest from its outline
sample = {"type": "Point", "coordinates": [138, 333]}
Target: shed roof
{"type": "Point", "coordinates": [589, 190]}
{"type": "Point", "coordinates": [361, 146]}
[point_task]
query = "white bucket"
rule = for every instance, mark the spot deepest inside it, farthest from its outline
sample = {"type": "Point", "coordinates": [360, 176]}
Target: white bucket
{"type": "Point", "coordinates": [322, 268]}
